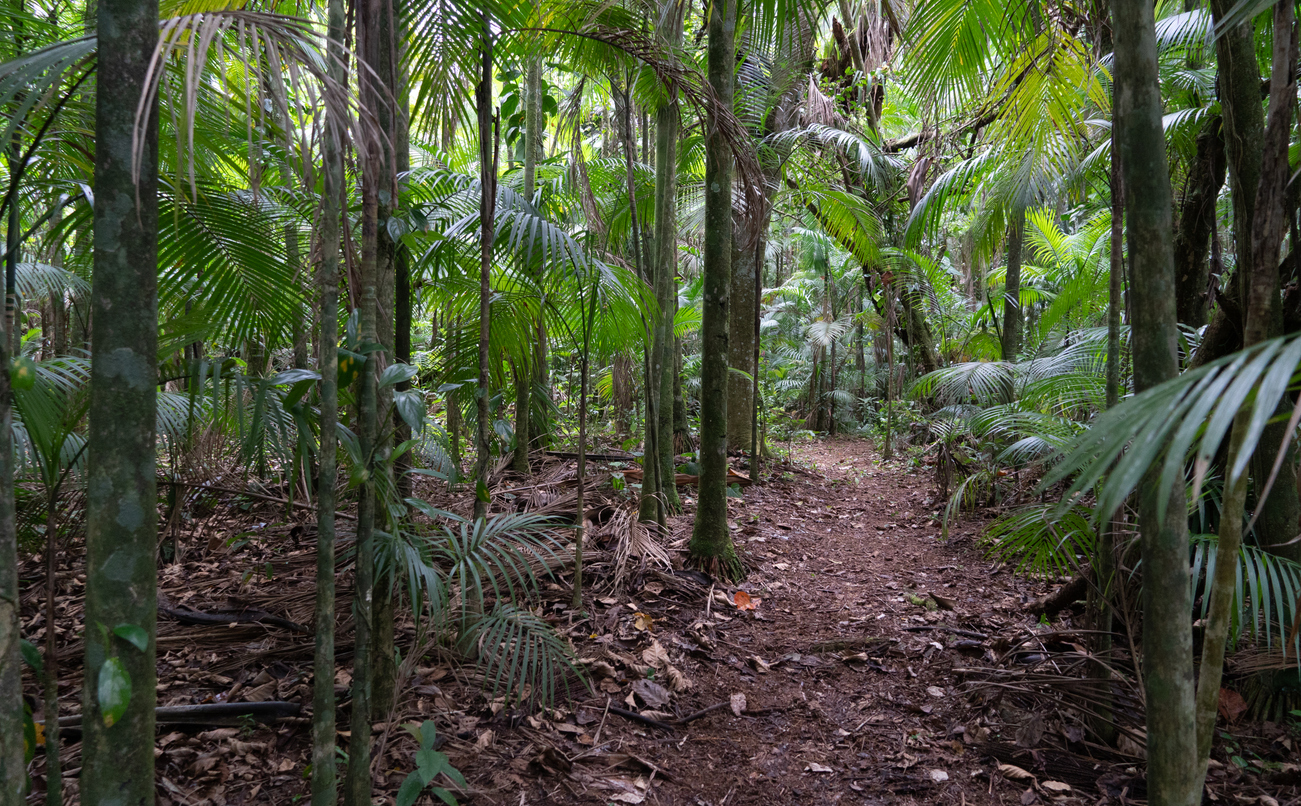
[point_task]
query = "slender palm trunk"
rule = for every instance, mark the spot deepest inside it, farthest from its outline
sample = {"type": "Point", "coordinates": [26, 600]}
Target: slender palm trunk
{"type": "Point", "coordinates": [121, 495]}
{"type": "Point", "coordinates": [887, 452]}
{"type": "Point", "coordinates": [357, 784]}
{"type": "Point", "coordinates": [1167, 597]}
{"type": "Point", "coordinates": [391, 113]}
{"type": "Point", "coordinates": [711, 542]}
{"type": "Point", "coordinates": [1013, 324]}
{"type": "Point", "coordinates": [1267, 236]}
{"type": "Point", "coordinates": [665, 257]}
{"type": "Point", "coordinates": [524, 376]}
{"type": "Point", "coordinates": [53, 769]}
{"type": "Point", "coordinates": [487, 207]}
{"type": "Point", "coordinates": [13, 770]}
{"type": "Point", "coordinates": [324, 776]}
{"type": "Point", "coordinates": [580, 519]}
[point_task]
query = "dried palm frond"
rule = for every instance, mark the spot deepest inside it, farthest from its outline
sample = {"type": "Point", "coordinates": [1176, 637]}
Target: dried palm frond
{"type": "Point", "coordinates": [631, 538]}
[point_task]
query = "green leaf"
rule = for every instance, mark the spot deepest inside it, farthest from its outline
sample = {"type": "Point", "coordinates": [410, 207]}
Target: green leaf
{"type": "Point", "coordinates": [410, 789]}
{"type": "Point", "coordinates": [32, 656]}
{"type": "Point", "coordinates": [114, 691]}
{"type": "Point", "coordinates": [394, 374]}
{"type": "Point", "coordinates": [430, 763]}
{"type": "Point", "coordinates": [444, 795]}
{"type": "Point", "coordinates": [481, 491]}
{"type": "Point", "coordinates": [428, 732]}
{"type": "Point", "coordinates": [133, 634]}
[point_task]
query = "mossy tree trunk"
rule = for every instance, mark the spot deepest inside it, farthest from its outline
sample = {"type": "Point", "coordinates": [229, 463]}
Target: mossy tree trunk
{"type": "Point", "coordinates": [664, 259]}
{"type": "Point", "coordinates": [525, 375]}
{"type": "Point", "coordinates": [711, 542]}
{"type": "Point", "coordinates": [121, 494]}
{"type": "Point", "coordinates": [1262, 315]}
{"type": "Point", "coordinates": [1167, 595]}
{"type": "Point", "coordinates": [357, 784]}
{"type": "Point", "coordinates": [324, 777]}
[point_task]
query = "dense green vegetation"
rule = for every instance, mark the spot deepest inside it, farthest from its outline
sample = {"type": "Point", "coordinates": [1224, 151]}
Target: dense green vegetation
{"type": "Point", "coordinates": [337, 247]}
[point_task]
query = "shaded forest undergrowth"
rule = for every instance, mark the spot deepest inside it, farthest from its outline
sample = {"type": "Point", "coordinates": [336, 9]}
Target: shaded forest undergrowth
{"type": "Point", "coordinates": [861, 660]}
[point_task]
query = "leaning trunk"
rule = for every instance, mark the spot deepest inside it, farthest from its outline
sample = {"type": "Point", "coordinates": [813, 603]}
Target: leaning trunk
{"type": "Point", "coordinates": [121, 496]}
{"type": "Point", "coordinates": [1192, 238]}
{"type": "Point", "coordinates": [1167, 597]}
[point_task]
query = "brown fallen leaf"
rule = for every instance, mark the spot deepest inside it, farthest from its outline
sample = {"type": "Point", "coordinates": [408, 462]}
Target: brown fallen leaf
{"type": "Point", "coordinates": [1232, 705]}
{"type": "Point", "coordinates": [1015, 773]}
{"type": "Point", "coordinates": [758, 664]}
{"type": "Point", "coordinates": [743, 601]}
{"type": "Point", "coordinates": [738, 703]}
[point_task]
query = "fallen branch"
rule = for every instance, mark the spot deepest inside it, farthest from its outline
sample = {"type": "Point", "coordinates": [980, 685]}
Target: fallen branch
{"type": "Point", "coordinates": [218, 714]}
{"type": "Point", "coordinates": [250, 616]}
{"type": "Point", "coordinates": [1053, 603]}
{"type": "Point", "coordinates": [979, 636]}
{"type": "Point", "coordinates": [636, 717]}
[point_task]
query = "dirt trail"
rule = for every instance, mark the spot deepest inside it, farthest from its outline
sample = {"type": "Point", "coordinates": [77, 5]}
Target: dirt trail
{"type": "Point", "coordinates": [845, 672]}
{"type": "Point", "coordinates": [842, 684]}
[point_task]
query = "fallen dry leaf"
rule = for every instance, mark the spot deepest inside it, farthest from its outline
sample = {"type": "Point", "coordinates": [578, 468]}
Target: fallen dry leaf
{"type": "Point", "coordinates": [738, 703]}
{"type": "Point", "coordinates": [1232, 705]}
{"type": "Point", "coordinates": [743, 601]}
{"type": "Point", "coordinates": [643, 621]}
{"type": "Point", "coordinates": [1056, 787]}
{"type": "Point", "coordinates": [1014, 773]}
{"type": "Point", "coordinates": [814, 766]}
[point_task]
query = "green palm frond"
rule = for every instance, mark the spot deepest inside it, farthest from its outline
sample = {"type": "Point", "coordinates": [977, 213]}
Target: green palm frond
{"type": "Point", "coordinates": [520, 654]}
{"type": "Point", "coordinates": [1038, 539]}
{"type": "Point", "coordinates": [1183, 419]}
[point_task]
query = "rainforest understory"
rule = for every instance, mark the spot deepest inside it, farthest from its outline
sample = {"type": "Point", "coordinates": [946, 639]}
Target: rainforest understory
{"type": "Point", "coordinates": [862, 659]}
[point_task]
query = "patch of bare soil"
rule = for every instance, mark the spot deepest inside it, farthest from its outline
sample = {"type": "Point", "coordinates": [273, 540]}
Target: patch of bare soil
{"type": "Point", "coordinates": [862, 660]}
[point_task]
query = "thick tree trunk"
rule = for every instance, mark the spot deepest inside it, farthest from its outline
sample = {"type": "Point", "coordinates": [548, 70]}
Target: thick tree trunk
{"type": "Point", "coordinates": [487, 207]}
{"type": "Point", "coordinates": [1013, 324]}
{"type": "Point", "coordinates": [711, 542]}
{"type": "Point", "coordinates": [1167, 597]}
{"type": "Point", "coordinates": [121, 496]}
{"type": "Point", "coordinates": [1196, 220]}
{"type": "Point", "coordinates": [324, 776]}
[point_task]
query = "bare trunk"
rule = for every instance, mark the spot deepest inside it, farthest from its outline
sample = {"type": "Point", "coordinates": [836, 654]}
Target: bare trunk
{"type": "Point", "coordinates": [1167, 597]}
{"type": "Point", "coordinates": [1263, 311]}
{"type": "Point", "coordinates": [711, 542]}
{"type": "Point", "coordinates": [487, 206]}
{"type": "Point", "coordinates": [121, 495]}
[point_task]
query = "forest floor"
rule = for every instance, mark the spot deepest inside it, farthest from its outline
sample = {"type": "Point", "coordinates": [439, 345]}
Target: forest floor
{"type": "Point", "coordinates": [853, 673]}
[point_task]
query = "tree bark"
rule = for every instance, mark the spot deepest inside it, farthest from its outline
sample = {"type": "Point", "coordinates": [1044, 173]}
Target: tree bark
{"type": "Point", "coordinates": [1263, 315]}
{"type": "Point", "coordinates": [357, 783]}
{"type": "Point", "coordinates": [1167, 597]}
{"type": "Point", "coordinates": [664, 257]}
{"type": "Point", "coordinates": [711, 542]}
{"type": "Point", "coordinates": [1196, 220]}
{"type": "Point", "coordinates": [324, 775]}
{"type": "Point", "coordinates": [525, 377]}
{"type": "Point", "coordinates": [121, 494]}
{"type": "Point", "coordinates": [487, 207]}
{"type": "Point", "coordinates": [13, 770]}
{"type": "Point", "coordinates": [1013, 323]}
